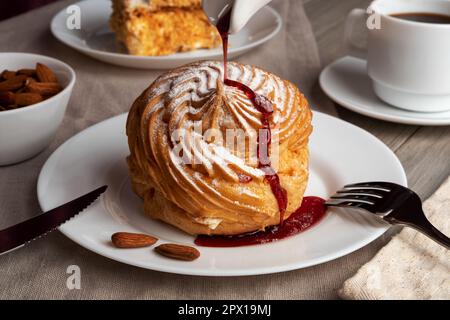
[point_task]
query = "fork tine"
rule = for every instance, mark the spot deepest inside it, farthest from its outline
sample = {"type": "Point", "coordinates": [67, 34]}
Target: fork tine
{"type": "Point", "coordinates": [351, 204]}
{"type": "Point", "coordinates": [382, 186]}
{"type": "Point", "coordinates": [354, 199]}
{"type": "Point", "coordinates": [358, 192]}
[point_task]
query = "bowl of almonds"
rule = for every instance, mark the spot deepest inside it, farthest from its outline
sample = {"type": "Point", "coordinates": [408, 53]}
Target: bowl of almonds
{"type": "Point", "coordinates": [34, 94]}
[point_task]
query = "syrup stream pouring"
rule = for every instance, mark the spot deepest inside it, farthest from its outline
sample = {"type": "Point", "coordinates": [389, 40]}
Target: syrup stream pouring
{"type": "Point", "coordinates": [265, 107]}
{"type": "Point", "coordinates": [242, 11]}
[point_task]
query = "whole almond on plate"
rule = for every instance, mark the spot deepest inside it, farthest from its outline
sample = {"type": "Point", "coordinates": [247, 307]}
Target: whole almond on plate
{"type": "Point", "coordinates": [177, 251]}
{"type": "Point", "coordinates": [27, 99]}
{"type": "Point", "coordinates": [43, 88]}
{"type": "Point", "coordinates": [45, 74]}
{"type": "Point", "coordinates": [127, 240]}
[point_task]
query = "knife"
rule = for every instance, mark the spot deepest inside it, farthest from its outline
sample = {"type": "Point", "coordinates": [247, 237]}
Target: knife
{"type": "Point", "coordinates": [22, 233]}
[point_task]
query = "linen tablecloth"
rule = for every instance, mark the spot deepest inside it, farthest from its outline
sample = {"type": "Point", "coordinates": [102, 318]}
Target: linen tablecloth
{"type": "Point", "coordinates": [411, 266]}
{"type": "Point", "coordinates": [38, 271]}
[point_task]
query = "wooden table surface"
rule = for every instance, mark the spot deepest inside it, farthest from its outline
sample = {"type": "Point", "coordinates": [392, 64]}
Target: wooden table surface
{"type": "Point", "coordinates": [423, 151]}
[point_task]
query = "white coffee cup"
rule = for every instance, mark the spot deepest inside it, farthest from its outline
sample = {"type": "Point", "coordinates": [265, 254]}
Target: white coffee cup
{"type": "Point", "coordinates": [408, 61]}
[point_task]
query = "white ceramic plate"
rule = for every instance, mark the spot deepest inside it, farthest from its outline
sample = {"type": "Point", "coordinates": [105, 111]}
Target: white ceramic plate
{"type": "Point", "coordinates": [96, 39]}
{"type": "Point", "coordinates": [347, 83]}
{"type": "Point", "coordinates": [340, 153]}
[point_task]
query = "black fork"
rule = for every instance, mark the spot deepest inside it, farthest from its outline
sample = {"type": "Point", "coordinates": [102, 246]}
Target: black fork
{"type": "Point", "coordinates": [392, 203]}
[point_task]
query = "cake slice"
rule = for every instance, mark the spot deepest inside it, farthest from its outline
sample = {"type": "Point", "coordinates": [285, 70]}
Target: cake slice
{"type": "Point", "coordinates": [162, 27]}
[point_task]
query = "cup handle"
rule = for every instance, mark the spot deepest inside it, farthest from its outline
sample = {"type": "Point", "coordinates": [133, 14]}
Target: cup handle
{"type": "Point", "coordinates": [354, 48]}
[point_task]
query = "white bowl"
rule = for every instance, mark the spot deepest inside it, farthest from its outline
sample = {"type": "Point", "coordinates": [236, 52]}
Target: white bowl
{"type": "Point", "coordinates": [25, 132]}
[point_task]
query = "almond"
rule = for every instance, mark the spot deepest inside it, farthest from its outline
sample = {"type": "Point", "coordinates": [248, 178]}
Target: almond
{"type": "Point", "coordinates": [27, 72]}
{"type": "Point", "coordinates": [30, 80]}
{"type": "Point", "coordinates": [11, 107]}
{"type": "Point", "coordinates": [178, 252]}
{"type": "Point", "coordinates": [45, 74]}
{"type": "Point", "coordinates": [13, 83]}
{"type": "Point", "coordinates": [127, 240]}
{"type": "Point", "coordinates": [6, 98]}
{"type": "Point", "coordinates": [27, 99]}
{"type": "Point", "coordinates": [8, 74]}
{"type": "Point", "coordinates": [43, 88]}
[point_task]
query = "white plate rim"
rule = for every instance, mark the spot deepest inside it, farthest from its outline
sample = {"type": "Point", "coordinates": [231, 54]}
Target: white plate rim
{"type": "Point", "coordinates": [410, 118]}
{"type": "Point", "coordinates": [94, 52]}
{"type": "Point", "coordinates": [223, 273]}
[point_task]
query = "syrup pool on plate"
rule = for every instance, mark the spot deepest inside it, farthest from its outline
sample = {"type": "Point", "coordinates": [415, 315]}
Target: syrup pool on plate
{"type": "Point", "coordinates": [311, 212]}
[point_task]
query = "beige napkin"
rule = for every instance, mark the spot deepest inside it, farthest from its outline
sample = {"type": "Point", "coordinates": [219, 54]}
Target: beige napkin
{"type": "Point", "coordinates": [411, 266]}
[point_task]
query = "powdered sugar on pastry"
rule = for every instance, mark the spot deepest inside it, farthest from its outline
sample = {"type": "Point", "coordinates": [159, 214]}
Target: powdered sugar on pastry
{"type": "Point", "coordinates": [179, 135]}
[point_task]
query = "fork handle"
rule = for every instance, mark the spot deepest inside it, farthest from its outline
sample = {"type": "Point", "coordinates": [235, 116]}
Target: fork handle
{"type": "Point", "coordinates": [422, 224]}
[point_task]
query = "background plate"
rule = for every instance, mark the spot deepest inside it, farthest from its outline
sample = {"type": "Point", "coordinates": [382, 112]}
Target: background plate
{"type": "Point", "coordinates": [96, 39]}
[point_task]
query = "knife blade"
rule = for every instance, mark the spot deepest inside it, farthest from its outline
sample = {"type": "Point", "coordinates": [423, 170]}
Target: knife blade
{"type": "Point", "coordinates": [18, 235]}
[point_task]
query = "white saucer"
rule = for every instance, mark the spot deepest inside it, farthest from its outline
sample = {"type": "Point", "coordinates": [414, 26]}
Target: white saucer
{"type": "Point", "coordinates": [96, 157]}
{"type": "Point", "coordinates": [96, 40]}
{"type": "Point", "coordinates": [347, 83]}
